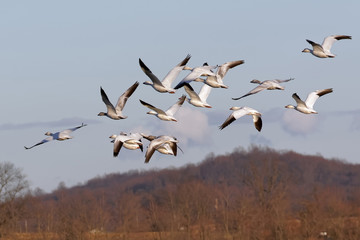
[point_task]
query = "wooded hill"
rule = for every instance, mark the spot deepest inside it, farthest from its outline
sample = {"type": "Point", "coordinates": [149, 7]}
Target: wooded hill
{"type": "Point", "coordinates": [258, 193]}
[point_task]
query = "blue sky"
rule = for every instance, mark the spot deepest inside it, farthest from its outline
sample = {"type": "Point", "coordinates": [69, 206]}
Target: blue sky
{"type": "Point", "coordinates": [55, 55]}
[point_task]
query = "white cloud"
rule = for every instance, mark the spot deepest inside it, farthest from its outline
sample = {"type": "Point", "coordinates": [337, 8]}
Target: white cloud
{"type": "Point", "coordinates": [65, 122]}
{"type": "Point", "coordinates": [192, 126]}
{"type": "Point", "coordinates": [260, 140]}
{"type": "Point", "coordinates": [355, 123]}
{"type": "Point", "coordinates": [297, 123]}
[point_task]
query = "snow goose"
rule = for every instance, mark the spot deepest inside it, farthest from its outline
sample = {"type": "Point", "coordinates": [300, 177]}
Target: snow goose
{"type": "Point", "coordinates": [204, 70]}
{"type": "Point", "coordinates": [323, 50]}
{"type": "Point", "coordinates": [159, 143]}
{"type": "Point", "coordinates": [267, 84]}
{"type": "Point", "coordinates": [165, 148]}
{"type": "Point", "coordinates": [60, 136]}
{"type": "Point", "coordinates": [132, 142]}
{"type": "Point", "coordinates": [116, 112]}
{"type": "Point", "coordinates": [238, 112]}
{"type": "Point", "coordinates": [169, 114]}
{"type": "Point", "coordinates": [198, 100]}
{"type": "Point", "coordinates": [217, 80]}
{"type": "Point", "coordinates": [164, 85]}
{"type": "Point", "coordinates": [307, 106]}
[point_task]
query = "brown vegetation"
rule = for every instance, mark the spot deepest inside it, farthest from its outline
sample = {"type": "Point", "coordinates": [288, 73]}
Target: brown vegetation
{"type": "Point", "coordinates": [256, 194]}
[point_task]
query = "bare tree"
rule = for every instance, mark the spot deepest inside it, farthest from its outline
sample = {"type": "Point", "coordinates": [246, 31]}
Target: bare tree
{"type": "Point", "coordinates": [13, 186]}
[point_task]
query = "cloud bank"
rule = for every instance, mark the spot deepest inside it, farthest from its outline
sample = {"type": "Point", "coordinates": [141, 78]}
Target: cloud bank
{"type": "Point", "coordinates": [65, 122]}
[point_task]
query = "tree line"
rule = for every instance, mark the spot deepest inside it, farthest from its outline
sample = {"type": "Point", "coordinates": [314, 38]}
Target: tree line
{"type": "Point", "coordinates": [258, 193]}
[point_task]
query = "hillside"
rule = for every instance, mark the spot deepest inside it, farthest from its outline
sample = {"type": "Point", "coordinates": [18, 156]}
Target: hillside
{"type": "Point", "coordinates": [256, 194]}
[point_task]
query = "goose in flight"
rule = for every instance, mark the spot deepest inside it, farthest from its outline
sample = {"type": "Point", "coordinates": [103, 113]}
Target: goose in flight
{"type": "Point", "coordinates": [131, 141]}
{"type": "Point", "coordinates": [323, 50]}
{"type": "Point", "coordinates": [198, 100]}
{"type": "Point", "coordinates": [238, 112]}
{"type": "Point", "coordinates": [165, 148]}
{"type": "Point", "coordinates": [60, 136]}
{"type": "Point", "coordinates": [217, 80]}
{"type": "Point", "coordinates": [163, 144]}
{"type": "Point", "coordinates": [204, 70]}
{"type": "Point", "coordinates": [267, 84]}
{"type": "Point", "coordinates": [168, 115]}
{"type": "Point", "coordinates": [307, 106]}
{"type": "Point", "coordinates": [164, 85]}
{"type": "Point", "coordinates": [116, 112]}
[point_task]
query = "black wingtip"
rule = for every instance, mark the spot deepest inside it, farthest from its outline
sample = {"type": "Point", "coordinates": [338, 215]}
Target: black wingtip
{"type": "Point", "coordinates": [180, 85]}
{"type": "Point", "coordinates": [143, 66]}
{"type": "Point", "coordinates": [258, 125]}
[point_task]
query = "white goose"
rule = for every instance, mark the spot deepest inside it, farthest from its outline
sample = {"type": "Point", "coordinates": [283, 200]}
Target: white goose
{"type": "Point", "coordinates": [60, 136]}
{"type": "Point", "coordinates": [132, 142]}
{"type": "Point", "coordinates": [307, 106]}
{"type": "Point", "coordinates": [323, 50]}
{"type": "Point", "coordinates": [167, 115]}
{"type": "Point", "coordinates": [116, 112]}
{"type": "Point", "coordinates": [165, 148]}
{"type": "Point", "coordinates": [217, 80]}
{"type": "Point", "coordinates": [198, 100]}
{"type": "Point", "coordinates": [164, 85]}
{"type": "Point", "coordinates": [267, 84]}
{"type": "Point", "coordinates": [238, 112]}
{"type": "Point", "coordinates": [204, 70]}
{"type": "Point", "coordinates": [159, 143]}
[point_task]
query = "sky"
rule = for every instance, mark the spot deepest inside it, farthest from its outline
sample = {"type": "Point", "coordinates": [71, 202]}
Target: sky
{"type": "Point", "coordinates": [55, 55]}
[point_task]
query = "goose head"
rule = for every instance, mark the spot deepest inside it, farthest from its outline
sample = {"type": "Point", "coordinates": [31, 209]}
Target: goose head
{"type": "Point", "coordinates": [290, 106]}
{"type": "Point", "coordinates": [235, 108]}
{"type": "Point", "coordinates": [255, 81]}
{"type": "Point", "coordinates": [306, 50]}
{"type": "Point", "coordinates": [148, 83]}
{"type": "Point", "coordinates": [113, 136]}
{"type": "Point", "coordinates": [152, 112]}
{"type": "Point", "coordinates": [187, 68]}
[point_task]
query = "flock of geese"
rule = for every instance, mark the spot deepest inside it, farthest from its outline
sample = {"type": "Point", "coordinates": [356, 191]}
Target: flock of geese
{"type": "Point", "coordinates": [211, 79]}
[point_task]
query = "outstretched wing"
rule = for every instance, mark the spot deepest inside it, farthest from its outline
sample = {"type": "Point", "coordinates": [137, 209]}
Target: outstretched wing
{"type": "Point", "coordinates": [174, 108]}
{"type": "Point", "coordinates": [330, 40]}
{"type": "Point", "coordinates": [106, 100]}
{"type": "Point", "coordinates": [148, 73]}
{"type": "Point", "coordinates": [158, 110]}
{"type": "Point", "coordinates": [48, 139]}
{"type": "Point", "coordinates": [313, 96]}
{"type": "Point", "coordinates": [68, 131]}
{"type": "Point", "coordinates": [223, 69]}
{"type": "Point", "coordinates": [125, 96]}
{"type": "Point", "coordinates": [281, 81]}
{"type": "Point", "coordinates": [316, 46]}
{"type": "Point", "coordinates": [172, 75]}
{"type": "Point", "coordinates": [255, 90]}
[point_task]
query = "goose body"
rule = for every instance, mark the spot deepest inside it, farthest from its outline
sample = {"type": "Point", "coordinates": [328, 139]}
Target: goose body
{"type": "Point", "coordinates": [239, 112]}
{"type": "Point", "coordinates": [198, 100]}
{"type": "Point", "coordinates": [217, 80]}
{"type": "Point", "coordinates": [195, 73]}
{"type": "Point", "coordinates": [163, 144]}
{"type": "Point", "coordinates": [164, 85]}
{"type": "Point", "coordinates": [307, 107]}
{"type": "Point", "coordinates": [323, 50]}
{"type": "Point", "coordinates": [167, 115]}
{"type": "Point", "coordinates": [60, 136]}
{"type": "Point", "coordinates": [131, 141]}
{"type": "Point", "coordinates": [265, 85]}
{"type": "Point", "coordinates": [115, 112]}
